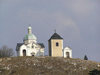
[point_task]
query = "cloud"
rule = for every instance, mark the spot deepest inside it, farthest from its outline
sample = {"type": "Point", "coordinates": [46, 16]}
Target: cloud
{"type": "Point", "coordinates": [80, 8]}
{"type": "Point", "coordinates": [56, 20]}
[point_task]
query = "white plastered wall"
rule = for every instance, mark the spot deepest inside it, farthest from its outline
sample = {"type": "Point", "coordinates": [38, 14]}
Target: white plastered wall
{"type": "Point", "coordinates": [29, 50]}
{"type": "Point", "coordinates": [23, 47]}
{"type": "Point", "coordinates": [67, 49]}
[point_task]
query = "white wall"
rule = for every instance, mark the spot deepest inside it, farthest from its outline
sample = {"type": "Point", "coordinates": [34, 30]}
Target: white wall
{"type": "Point", "coordinates": [67, 49]}
{"type": "Point", "coordinates": [37, 50]}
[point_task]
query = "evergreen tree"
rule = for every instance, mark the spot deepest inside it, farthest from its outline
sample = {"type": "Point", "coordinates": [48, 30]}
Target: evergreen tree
{"type": "Point", "coordinates": [85, 57]}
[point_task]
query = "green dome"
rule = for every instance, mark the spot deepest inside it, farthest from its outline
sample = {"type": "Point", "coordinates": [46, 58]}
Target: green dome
{"type": "Point", "coordinates": [30, 37]}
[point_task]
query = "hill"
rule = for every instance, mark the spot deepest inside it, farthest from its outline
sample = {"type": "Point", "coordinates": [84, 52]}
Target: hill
{"type": "Point", "coordinates": [46, 66]}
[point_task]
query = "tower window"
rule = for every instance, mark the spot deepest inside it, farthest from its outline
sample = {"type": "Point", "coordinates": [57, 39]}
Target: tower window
{"type": "Point", "coordinates": [57, 44]}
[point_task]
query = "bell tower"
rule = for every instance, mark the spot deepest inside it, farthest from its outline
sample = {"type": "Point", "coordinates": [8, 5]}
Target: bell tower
{"type": "Point", "coordinates": [55, 45]}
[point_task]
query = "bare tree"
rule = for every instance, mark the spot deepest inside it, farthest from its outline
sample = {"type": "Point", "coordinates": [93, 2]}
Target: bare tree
{"type": "Point", "coordinates": [6, 52]}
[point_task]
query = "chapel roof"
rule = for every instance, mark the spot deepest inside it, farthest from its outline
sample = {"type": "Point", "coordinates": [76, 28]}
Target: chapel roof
{"type": "Point", "coordinates": [30, 36]}
{"type": "Point", "coordinates": [42, 45]}
{"type": "Point", "coordinates": [18, 46]}
{"type": "Point", "coordinates": [67, 48]}
{"type": "Point", "coordinates": [55, 36]}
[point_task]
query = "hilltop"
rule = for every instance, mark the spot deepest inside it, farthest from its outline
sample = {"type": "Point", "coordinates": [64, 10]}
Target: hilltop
{"type": "Point", "coordinates": [46, 66]}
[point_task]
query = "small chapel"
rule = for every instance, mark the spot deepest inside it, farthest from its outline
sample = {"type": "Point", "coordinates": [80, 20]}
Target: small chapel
{"type": "Point", "coordinates": [55, 44]}
{"type": "Point", "coordinates": [30, 47]}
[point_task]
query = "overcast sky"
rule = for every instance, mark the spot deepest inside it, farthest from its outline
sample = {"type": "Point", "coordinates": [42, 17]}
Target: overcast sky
{"type": "Point", "coordinates": [77, 21]}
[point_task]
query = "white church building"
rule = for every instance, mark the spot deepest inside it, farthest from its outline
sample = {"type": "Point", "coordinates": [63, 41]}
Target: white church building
{"type": "Point", "coordinates": [30, 47]}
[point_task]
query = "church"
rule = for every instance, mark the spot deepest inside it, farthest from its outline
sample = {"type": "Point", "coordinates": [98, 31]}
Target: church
{"type": "Point", "coordinates": [30, 47]}
{"type": "Point", "coordinates": [56, 49]}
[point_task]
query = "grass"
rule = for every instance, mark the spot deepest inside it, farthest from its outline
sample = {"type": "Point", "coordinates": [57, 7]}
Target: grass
{"type": "Point", "coordinates": [46, 66]}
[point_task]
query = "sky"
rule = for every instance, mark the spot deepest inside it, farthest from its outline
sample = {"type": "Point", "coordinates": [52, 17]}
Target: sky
{"type": "Point", "coordinates": [76, 21]}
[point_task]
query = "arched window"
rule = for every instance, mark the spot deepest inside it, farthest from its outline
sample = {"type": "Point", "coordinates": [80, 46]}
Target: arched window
{"type": "Point", "coordinates": [57, 44]}
{"type": "Point", "coordinates": [24, 52]}
{"type": "Point", "coordinates": [67, 54]}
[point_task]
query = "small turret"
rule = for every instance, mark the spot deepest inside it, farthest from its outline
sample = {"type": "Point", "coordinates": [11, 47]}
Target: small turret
{"type": "Point", "coordinates": [29, 30]}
